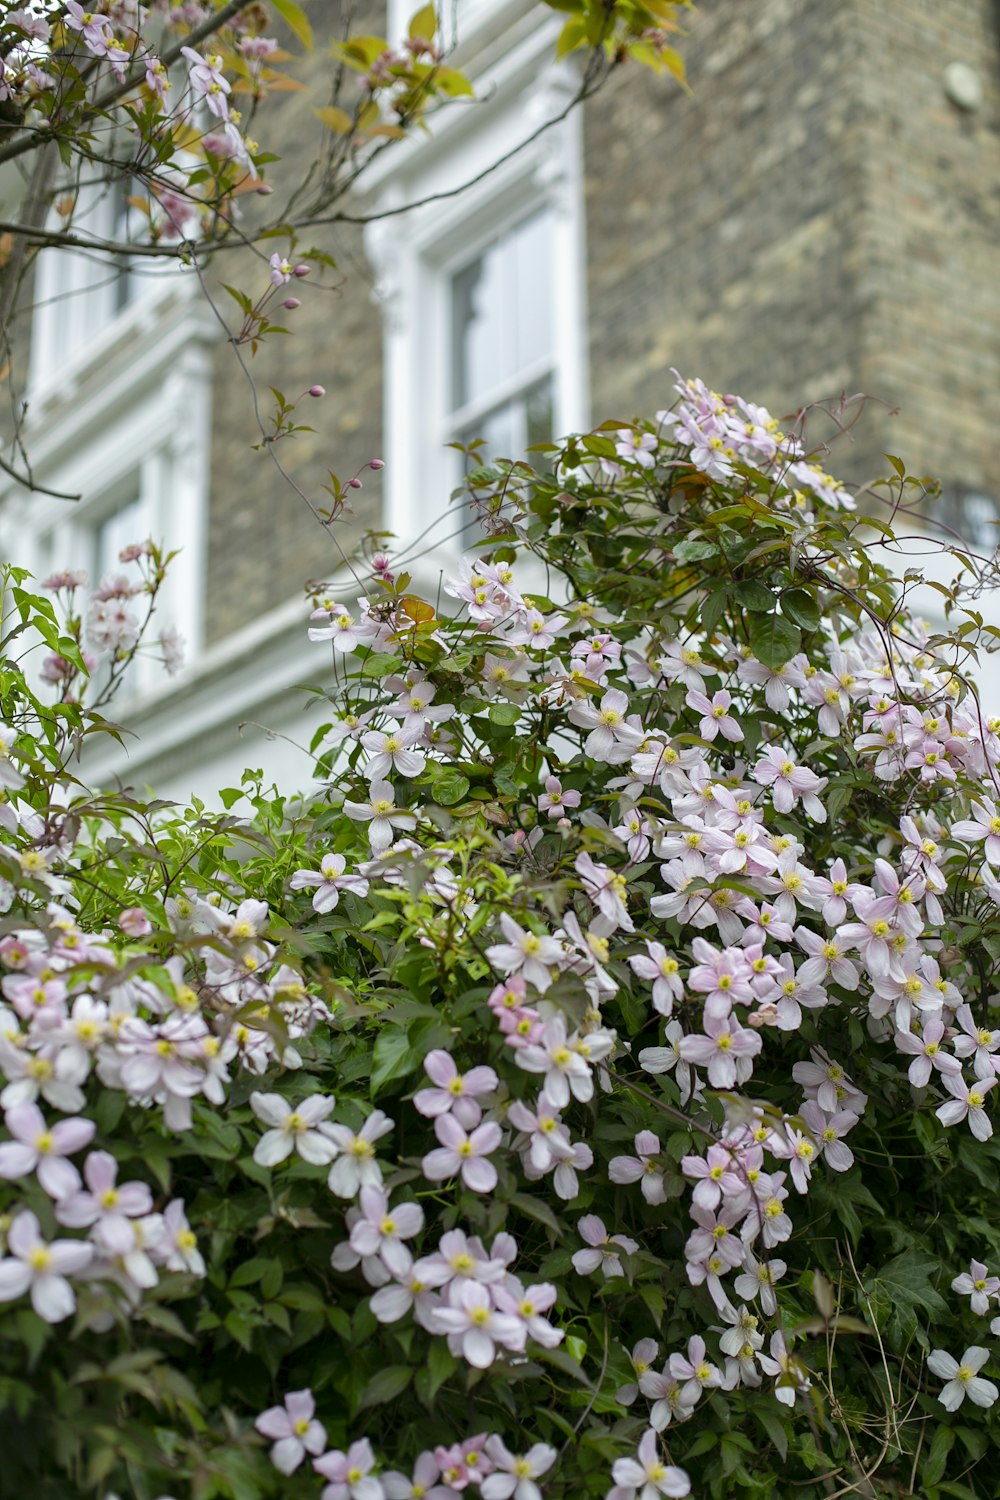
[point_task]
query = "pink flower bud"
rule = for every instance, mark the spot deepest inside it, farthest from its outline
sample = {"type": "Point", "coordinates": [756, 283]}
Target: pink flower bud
{"type": "Point", "coordinates": [134, 922]}
{"type": "Point", "coordinates": [291, 303]}
{"type": "Point", "coordinates": [316, 390]}
{"type": "Point", "coordinates": [376, 463]}
{"type": "Point", "coordinates": [354, 484]}
{"type": "Point", "coordinates": [301, 269]}
{"type": "Point", "coordinates": [264, 190]}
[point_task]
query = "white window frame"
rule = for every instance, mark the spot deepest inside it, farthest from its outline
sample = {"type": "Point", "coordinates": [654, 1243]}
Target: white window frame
{"type": "Point", "coordinates": [458, 420]}
{"type": "Point", "coordinates": [147, 414]}
{"type": "Point", "coordinates": [414, 255]}
{"type": "Point", "coordinates": [75, 323]}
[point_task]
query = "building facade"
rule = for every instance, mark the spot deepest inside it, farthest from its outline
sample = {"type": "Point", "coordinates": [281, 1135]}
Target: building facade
{"type": "Point", "coordinates": [819, 215]}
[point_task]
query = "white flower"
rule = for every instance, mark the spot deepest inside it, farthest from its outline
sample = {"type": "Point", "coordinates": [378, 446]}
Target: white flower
{"type": "Point", "coordinates": [41, 1269]}
{"type": "Point", "coordinates": [356, 1166]}
{"type": "Point", "coordinates": [963, 1379]}
{"type": "Point", "coordinates": [292, 1129]}
{"type": "Point", "coordinates": [515, 1474]}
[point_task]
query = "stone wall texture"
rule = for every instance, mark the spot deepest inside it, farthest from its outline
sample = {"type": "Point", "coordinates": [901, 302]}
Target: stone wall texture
{"type": "Point", "coordinates": [816, 217]}
{"type": "Point", "coordinates": [264, 543]}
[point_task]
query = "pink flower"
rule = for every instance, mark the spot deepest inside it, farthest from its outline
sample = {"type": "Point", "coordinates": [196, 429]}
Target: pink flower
{"type": "Point", "coordinates": [134, 922]}
{"type": "Point", "coordinates": [555, 800]}
{"type": "Point", "coordinates": [664, 970]}
{"type": "Point", "coordinates": [41, 1269]}
{"type": "Point", "coordinates": [463, 1154]}
{"type": "Point", "coordinates": [281, 270]}
{"type": "Point", "coordinates": [472, 1322]}
{"type": "Point", "coordinates": [644, 1167]}
{"type": "Point", "coordinates": [422, 1486]}
{"type": "Point", "coordinates": [180, 1243]}
{"type": "Point", "coordinates": [715, 714]}
{"type": "Point", "coordinates": [295, 1430]}
{"type": "Point", "coordinates": [984, 824]}
{"type": "Point", "coordinates": [646, 1474]}
{"type": "Point", "coordinates": [349, 1473]}
{"type": "Point", "coordinates": [515, 1475]}
{"type": "Point", "coordinates": [926, 1052]}
{"type": "Point", "coordinates": [380, 1230]}
{"type": "Point", "coordinates": [95, 29]}
{"type": "Point", "coordinates": [453, 1090]}
{"type": "Point", "coordinates": [39, 1149]}
{"type": "Point", "coordinates": [967, 1104]}
{"type": "Point", "coordinates": [612, 738]}
{"type": "Point", "coordinates": [565, 1060]}
{"type": "Point", "coordinates": [726, 1048]}
{"type": "Point", "coordinates": [790, 783]}
{"type": "Point", "coordinates": [715, 1175]}
{"type": "Point", "coordinates": [392, 750]}
{"type": "Point", "coordinates": [206, 79]}
{"type": "Point", "coordinates": [601, 1252]}
{"type": "Point", "coordinates": [106, 1206]}
{"type": "Point", "coordinates": [606, 888]}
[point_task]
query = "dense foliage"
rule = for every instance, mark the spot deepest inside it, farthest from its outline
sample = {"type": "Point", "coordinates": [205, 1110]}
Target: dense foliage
{"type": "Point", "coordinates": [588, 1090]}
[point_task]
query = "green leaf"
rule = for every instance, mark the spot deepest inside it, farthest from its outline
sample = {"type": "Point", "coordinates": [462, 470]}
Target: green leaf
{"type": "Point", "coordinates": [801, 608]}
{"type": "Point", "coordinates": [504, 713]}
{"type": "Point", "coordinates": [393, 1057]}
{"type": "Point", "coordinates": [695, 550]}
{"type": "Point", "coordinates": [336, 119]}
{"type": "Point", "coordinates": [380, 666]}
{"type": "Point", "coordinates": [903, 1296]}
{"type": "Point", "coordinates": [774, 1427]}
{"type": "Point", "coordinates": [756, 596]}
{"type": "Point", "coordinates": [573, 35]}
{"type": "Point", "coordinates": [249, 1272]}
{"type": "Point", "coordinates": [937, 1457]}
{"type": "Point", "coordinates": [294, 17]}
{"type": "Point", "coordinates": [423, 22]}
{"type": "Point", "coordinates": [386, 1386]}
{"type": "Point", "coordinates": [703, 1443]}
{"type": "Point", "coordinates": [536, 1208]}
{"type": "Point", "coordinates": [712, 608]}
{"type": "Point", "coordinates": [773, 640]}
{"type": "Point", "coordinates": [450, 788]}
{"type": "Point", "coordinates": [441, 1364]}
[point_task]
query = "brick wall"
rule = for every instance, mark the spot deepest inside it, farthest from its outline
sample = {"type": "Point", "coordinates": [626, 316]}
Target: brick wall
{"type": "Point", "coordinates": [816, 217]}
{"type": "Point", "coordinates": [263, 543]}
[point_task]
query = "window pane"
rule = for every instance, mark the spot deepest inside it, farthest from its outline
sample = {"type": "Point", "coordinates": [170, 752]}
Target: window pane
{"type": "Point", "coordinates": [512, 428]}
{"type": "Point", "coordinates": [501, 311]}
{"type": "Point", "coordinates": [538, 414]}
{"type": "Point", "coordinates": [124, 526]}
{"type": "Point", "coordinates": [532, 251]}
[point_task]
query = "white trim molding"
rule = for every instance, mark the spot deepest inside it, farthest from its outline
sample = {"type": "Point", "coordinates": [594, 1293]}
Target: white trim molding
{"type": "Point", "coordinates": [513, 168]}
{"type": "Point", "coordinates": [132, 421]}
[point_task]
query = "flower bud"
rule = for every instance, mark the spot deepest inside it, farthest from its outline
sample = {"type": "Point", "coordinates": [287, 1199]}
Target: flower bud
{"type": "Point", "coordinates": [301, 269]}
{"type": "Point", "coordinates": [376, 463]}
{"type": "Point", "coordinates": [316, 390]}
{"type": "Point", "coordinates": [291, 303]}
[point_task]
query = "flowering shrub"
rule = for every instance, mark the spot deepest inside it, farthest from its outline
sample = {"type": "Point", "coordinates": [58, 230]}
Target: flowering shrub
{"type": "Point", "coordinates": [588, 1092]}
